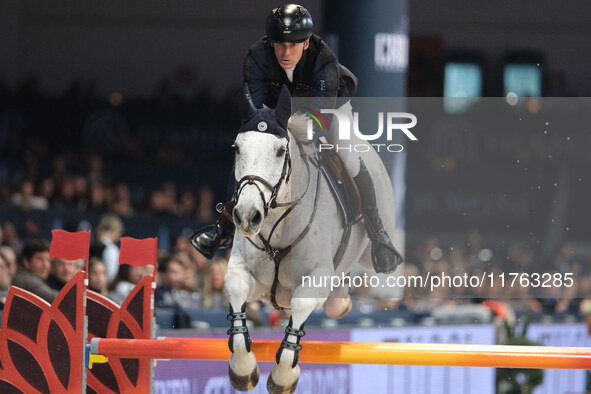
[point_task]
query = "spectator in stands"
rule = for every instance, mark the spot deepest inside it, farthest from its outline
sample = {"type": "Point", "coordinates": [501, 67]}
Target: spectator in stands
{"type": "Point", "coordinates": [172, 289]}
{"type": "Point", "coordinates": [157, 202]}
{"type": "Point", "coordinates": [121, 200]}
{"type": "Point", "coordinates": [46, 189]}
{"type": "Point", "coordinates": [212, 284]}
{"type": "Point", "coordinates": [98, 198]}
{"type": "Point", "coordinates": [127, 277]}
{"type": "Point", "coordinates": [60, 273]}
{"type": "Point", "coordinates": [191, 276]}
{"type": "Point", "coordinates": [66, 197]}
{"type": "Point", "coordinates": [170, 197]}
{"type": "Point", "coordinates": [80, 191]}
{"type": "Point", "coordinates": [108, 232]}
{"type": "Point", "coordinates": [187, 206]}
{"type": "Point", "coordinates": [97, 276]}
{"type": "Point", "coordinates": [10, 236]}
{"type": "Point", "coordinates": [205, 204]}
{"type": "Point", "coordinates": [182, 244]}
{"type": "Point", "coordinates": [5, 281]}
{"type": "Point", "coordinates": [26, 199]}
{"type": "Point", "coordinates": [10, 258]}
{"type": "Point", "coordinates": [35, 269]}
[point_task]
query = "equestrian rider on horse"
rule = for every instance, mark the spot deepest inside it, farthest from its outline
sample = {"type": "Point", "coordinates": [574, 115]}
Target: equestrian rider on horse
{"type": "Point", "coordinates": [290, 54]}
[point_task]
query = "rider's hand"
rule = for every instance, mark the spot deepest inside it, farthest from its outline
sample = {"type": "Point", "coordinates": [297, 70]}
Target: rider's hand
{"type": "Point", "coordinates": [298, 126]}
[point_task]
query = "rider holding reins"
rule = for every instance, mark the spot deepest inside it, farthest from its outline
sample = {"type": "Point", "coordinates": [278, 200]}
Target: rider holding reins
{"type": "Point", "coordinates": [290, 54]}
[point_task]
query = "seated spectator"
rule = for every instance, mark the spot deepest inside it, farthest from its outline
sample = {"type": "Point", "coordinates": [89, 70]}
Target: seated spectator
{"type": "Point", "coordinates": [212, 285]}
{"type": "Point", "coordinates": [61, 272]}
{"type": "Point", "coordinates": [187, 205]}
{"type": "Point", "coordinates": [46, 189]}
{"type": "Point", "coordinates": [66, 197]}
{"type": "Point", "coordinates": [190, 276]}
{"type": "Point", "coordinates": [10, 258]}
{"type": "Point", "coordinates": [127, 277]}
{"type": "Point", "coordinates": [80, 191]}
{"type": "Point", "coordinates": [34, 270]}
{"type": "Point", "coordinates": [10, 236]}
{"type": "Point", "coordinates": [5, 281]}
{"type": "Point", "coordinates": [205, 204]}
{"type": "Point", "coordinates": [108, 232]}
{"type": "Point", "coordinates": [97, 276]}
{"type": "Point", "coordinates": [98, 197]}
{"type": "Point", "coordinates": [122, 200]}
{"type": "Point", "coordinates": [182, 244]}
{"type": "Point", "coordinates": [26, 199]}
{"type": "Point", "coordinates": [172, 292]}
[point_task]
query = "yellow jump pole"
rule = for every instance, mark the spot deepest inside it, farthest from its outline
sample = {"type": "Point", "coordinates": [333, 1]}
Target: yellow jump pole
{"type": "Point", "coordinates": [497, 356]}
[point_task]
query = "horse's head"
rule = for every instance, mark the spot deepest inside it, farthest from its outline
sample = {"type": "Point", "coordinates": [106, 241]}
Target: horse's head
{"type": "Point", "coordinates": [262, 162]}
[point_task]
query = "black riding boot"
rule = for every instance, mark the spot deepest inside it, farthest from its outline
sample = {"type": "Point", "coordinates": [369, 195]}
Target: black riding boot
{"type": "Point", "coordinates": [211, 238]}
{"type": "Point", "coordinates": [384, 255]}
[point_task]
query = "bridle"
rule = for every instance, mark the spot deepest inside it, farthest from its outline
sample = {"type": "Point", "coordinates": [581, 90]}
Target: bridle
{"type": "Point", "coordinates": [253, 179]}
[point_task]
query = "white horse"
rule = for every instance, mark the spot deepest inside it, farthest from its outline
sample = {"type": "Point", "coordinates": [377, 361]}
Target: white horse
{"type": "Point", "coordinates": [285, 211]}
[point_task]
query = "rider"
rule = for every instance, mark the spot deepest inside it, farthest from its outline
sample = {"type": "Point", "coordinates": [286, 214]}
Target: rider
{"type": "Point", "coordinates": [290, 54]}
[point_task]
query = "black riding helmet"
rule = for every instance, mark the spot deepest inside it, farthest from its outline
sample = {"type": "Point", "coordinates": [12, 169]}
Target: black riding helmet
{"type": "Point", "coordinates": [289, 23]}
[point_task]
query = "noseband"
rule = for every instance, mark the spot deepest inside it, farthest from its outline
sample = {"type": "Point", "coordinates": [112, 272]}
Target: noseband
{"type": "Point", "coordinates": [253, 179]}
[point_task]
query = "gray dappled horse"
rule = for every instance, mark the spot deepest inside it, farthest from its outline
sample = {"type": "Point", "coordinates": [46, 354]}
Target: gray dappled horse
{"type": "Point", "coordinates": [289, 227]}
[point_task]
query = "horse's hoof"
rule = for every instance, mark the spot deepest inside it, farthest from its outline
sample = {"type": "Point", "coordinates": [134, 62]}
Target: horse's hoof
{"type": "Point", "coordinates": [244, 383]}
{"type": "Point", "coordinates": [347, 309]}
{"type": "Point", "coordinates": [274, 388]}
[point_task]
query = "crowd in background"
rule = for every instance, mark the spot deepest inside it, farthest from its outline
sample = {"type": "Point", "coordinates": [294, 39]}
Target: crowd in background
{"type": "Point", "coordinates": [188, 280]}
{"type": "Point", "coordinates": [185, 278]}
{"type": "Point", "coordinates": [89, 189]}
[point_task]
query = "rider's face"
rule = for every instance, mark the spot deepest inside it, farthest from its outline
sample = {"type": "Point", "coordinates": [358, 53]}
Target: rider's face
{"type": "Point", "coordinates": [288, 54]}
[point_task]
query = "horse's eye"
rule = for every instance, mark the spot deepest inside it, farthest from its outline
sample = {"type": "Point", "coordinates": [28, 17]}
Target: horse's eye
{"type": "Point", "coordinates": [236, 149]}
{"type": "Point", "coordinates": [280, 151]}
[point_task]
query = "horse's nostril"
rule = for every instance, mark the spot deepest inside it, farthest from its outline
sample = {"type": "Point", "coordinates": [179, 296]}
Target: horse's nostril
{"type": "Point", "coordinates": [236, 216]}
{"type": "Point", "coordinates": [257, 218]}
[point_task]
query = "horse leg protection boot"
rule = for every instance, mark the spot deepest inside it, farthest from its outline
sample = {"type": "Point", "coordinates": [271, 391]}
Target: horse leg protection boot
{"type": "Point", "coordinates": [211, 238]}
{"type": "Point", "coordinates": [385, 257]}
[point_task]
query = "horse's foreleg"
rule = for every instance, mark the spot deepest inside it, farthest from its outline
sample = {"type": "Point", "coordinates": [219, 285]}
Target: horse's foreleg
{"type": "Point", "coordinates": [243, 369]}
{"type": "Point", "coordinates": [286, 372]}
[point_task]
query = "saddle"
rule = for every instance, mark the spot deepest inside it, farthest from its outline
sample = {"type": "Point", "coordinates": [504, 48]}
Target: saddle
{"type": "Point", "coordinates": [346, 195]}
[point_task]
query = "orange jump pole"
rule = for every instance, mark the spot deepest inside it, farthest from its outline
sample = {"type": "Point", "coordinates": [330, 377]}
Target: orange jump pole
{"type": "Point", "coordinates": [497, 356]}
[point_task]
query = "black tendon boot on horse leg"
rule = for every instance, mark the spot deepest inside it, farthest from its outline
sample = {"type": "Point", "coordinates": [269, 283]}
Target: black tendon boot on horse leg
{"type": "Point", "coordinates": [248, 381]}
{"type": "Point", "coordinates": [272, 386]}
{"type": "Point", "coordinates": [384, 256]}
{"type": "Point", "coordinates": [211, 238]}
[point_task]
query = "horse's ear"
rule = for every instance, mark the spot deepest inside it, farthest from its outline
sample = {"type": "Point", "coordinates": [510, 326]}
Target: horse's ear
{"type": "Point", "coordinates": [283, 107]}
{"type": "Point", "coordinates": [246, 106]}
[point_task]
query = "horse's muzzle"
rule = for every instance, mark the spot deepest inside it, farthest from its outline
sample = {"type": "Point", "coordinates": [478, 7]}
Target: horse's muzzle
{"type": "Point", "coordinates": [249, 221]}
